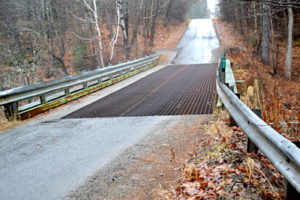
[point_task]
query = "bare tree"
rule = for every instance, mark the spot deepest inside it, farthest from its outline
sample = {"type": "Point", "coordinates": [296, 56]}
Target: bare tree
{"type": "Point", "coordinates": [92, 7]}
{"type": "Point", "coordinates": [266, 34]}
{"type": "Point", "coordinates": [115, 32]}
{"type": "Point", "coordinates": [289, 49]}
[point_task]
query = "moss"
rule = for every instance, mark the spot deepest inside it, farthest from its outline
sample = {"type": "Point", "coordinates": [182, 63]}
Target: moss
{"type": "Point", "coordinates": [296, 42]}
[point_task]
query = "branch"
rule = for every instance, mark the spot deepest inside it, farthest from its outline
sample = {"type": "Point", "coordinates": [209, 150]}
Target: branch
{"type": "Point", "coordinates": [79, 18]}
{"type": "Point", "coordinates": [88, 6]}
{"type": "Point", "coordinates": [158, 11]}
{"type": "Point", "coordinates": [82, 38]}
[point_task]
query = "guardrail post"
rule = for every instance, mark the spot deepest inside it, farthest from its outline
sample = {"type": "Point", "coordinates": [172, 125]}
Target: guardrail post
{"type": "Point", "coordinates": [251, 147]}
{"type": "Point", "coordinates": [11, 110]}
{"type": "Point", "coordinates": [43, 99]}
{"type": "Point", "coordinates": [85, 85]}
{"type": "Point", "coordinates": [67, 91]}
{"type": "Point", "coordinates": [222, 74]}
{"type": "Point", "coordinates": [290, 192]}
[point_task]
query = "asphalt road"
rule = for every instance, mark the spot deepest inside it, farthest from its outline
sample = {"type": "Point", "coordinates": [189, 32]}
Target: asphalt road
{"type": "Point", "coordinates": [48, 159]}
{"type": "Point", "coordinates": [199, 44]}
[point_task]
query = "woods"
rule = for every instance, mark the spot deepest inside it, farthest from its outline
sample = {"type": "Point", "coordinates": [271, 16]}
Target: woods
{"type": "Point", "coordinates": [268, 25]}
{"type": "Point", "coordinates": [47, 39]}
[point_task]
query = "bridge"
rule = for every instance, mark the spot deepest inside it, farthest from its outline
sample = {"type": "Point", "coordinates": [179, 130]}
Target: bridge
{"type": "Point", "coordinates": [46, 158]}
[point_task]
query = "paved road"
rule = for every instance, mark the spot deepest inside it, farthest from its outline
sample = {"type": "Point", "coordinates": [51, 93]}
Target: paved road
{"type": "Point", "coordinates": [199, 44]}
{"type": "Point", "coordinates": [48, 159]}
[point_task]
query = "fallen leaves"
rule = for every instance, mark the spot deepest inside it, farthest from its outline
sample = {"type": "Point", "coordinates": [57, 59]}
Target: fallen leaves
{"type": "Point", "coordinates": [279, 99]}
{"type": "Point", "coordinates": [223, 170]}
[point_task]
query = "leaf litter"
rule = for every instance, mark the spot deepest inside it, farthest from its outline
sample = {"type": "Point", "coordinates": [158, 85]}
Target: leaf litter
{"type": "Point", "coordinates": [221, 168]}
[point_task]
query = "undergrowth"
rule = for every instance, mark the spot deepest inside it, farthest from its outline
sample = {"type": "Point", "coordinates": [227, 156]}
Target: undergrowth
{"type": "Point", "coordinates": [222, 169]}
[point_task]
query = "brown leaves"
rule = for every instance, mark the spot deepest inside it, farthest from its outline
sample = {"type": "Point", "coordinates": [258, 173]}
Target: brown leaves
{"type": "Point", "coordinates": [222, 170]}
{"type": "Point", "coordinates": [172, 154]}
{"type": "Point", "coordinates": [279, 96]}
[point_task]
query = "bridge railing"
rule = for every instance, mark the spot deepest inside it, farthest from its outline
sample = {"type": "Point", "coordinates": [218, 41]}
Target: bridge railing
{"type": "Point", "coordinates": [284, 154]}
{"type": "Point", "coordinates": [46, 95]}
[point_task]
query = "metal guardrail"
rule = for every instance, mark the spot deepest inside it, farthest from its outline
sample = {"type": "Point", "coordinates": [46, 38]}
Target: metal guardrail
{"type": "Point", "coordinates": [284, 154]}
{"type": "Point", "coordinates": [54, 93]}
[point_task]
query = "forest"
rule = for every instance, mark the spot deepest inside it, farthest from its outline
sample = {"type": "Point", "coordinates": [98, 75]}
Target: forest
{"type": "Point", "coordinates": [268, 25]}
{"type": "Point", "coordinates": [264, 38]}
{"type": "Point", "coordinates": [48, 39]}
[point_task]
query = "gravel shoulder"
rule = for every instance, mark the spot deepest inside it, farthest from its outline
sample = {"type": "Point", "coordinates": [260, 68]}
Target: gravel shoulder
{"type": "Point", "coordinates": [147, 167]}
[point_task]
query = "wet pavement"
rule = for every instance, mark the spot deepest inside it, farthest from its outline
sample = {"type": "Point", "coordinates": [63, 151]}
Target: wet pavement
{"type": "Point", "coordinates": [199, 44]}
{"type": "Point", "coordinates": [48, 160]}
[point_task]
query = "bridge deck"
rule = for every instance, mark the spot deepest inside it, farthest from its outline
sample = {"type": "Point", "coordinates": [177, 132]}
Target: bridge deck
{"type": "Point", "coordinates": [174, 90]}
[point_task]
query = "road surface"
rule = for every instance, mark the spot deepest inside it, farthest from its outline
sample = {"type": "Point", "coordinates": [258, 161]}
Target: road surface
{"type": "Point", "coordinates": [174, 90]}
{"type": "Point", "coordinates": [199, 44]}
{"type": "Point", "coordinates": [48, 159]}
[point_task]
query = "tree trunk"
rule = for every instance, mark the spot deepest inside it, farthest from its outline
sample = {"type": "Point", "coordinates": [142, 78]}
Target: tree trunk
{"type": "Point", "coordinates": [153, 26]}
{"type": "Point", "coordinates": [255, 25]}
{"type": "Point", "coordinates": [137, 24]}
{"type": "Point", "coordinates": [168, 9]}
{"type": "Point", "coordinates": [123, 6]}
{"type": "Point", "coordinates": [108, 18]}
{"type": "Point", "coordinates": [99, 36]}
{"type": "Point", "coordinates": [115, 33]}
{"type": "Point", "coordinates": [266, 35]}
{"type": "Point", "coordinates": [289, 48]}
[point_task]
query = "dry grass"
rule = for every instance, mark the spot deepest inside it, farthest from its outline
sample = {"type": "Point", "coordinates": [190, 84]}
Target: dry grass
{"type": "Point", "coordinates": [221, 169]}
{"type": "Point", "coordinates": [279, 100]}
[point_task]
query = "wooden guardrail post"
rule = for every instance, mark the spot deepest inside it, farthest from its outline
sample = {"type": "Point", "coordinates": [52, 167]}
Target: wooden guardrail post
{"type": "Point", "coordinates": [67, 91]}
{"type": "Point", "coordinates": [43, 99]}
{"type": "Point", "coordinates": [85, 85]}
{"type": "Point", "coordinates": [222, 74]}
{"type": "Point", "coordinates": [251, 147]}
{"type": "Point", "coordinates": [290, 192]}
{"type": "Point", "coordinates": [253, 96]}
{"type": "Point", "coordinates": [11, 110]}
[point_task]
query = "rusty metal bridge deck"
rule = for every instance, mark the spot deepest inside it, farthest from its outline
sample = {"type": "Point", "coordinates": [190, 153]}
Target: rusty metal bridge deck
{"type": "Point", "coordinates": [174, 90]}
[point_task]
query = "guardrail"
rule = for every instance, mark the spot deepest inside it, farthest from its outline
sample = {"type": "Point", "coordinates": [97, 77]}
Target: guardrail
{"type": "Point", "coordinates": [284, 154]}
{"type": "Point", "coordinates": [48, 95]}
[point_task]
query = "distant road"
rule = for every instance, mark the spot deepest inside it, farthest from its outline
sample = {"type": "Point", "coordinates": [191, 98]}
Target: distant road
{"type": "Point", "coordinates": [199, 44]}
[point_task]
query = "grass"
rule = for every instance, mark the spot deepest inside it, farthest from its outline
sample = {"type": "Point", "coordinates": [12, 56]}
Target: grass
{"type": "Point", "coordinates": [6, 125]}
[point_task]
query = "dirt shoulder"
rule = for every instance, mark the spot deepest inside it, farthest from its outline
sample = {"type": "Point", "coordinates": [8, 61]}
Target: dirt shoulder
{"type": "Point", "coordinates": [145, 170]}
{"type": "Point", "coordinates": [220, 168]}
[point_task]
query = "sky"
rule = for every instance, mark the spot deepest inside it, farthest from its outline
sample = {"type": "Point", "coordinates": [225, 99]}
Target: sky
{"type": "Point", "coordinates": [212, 6]}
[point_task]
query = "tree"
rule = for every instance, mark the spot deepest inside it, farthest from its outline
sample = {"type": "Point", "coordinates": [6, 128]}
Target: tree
{"type": "Point", "coordinates": [47, 39]}
{"type": "Point", "coordinates": [289, 49]}
{"type": "Point", "coordinates": [92, 7]}
{"type": "Point", "coordinates": [272, 21]}
{"type": "Point", "coordinates": [266, 34]}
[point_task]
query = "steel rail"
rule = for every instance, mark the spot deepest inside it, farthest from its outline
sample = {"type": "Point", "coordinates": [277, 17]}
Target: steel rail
{"type": "Point", "coordinates": [15, 95]}
{"type": "Point", "coordinates": [284, 154]}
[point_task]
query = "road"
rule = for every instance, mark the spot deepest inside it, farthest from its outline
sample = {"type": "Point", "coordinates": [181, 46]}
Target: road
{"type": "Point", "coordinates": [199, 44]}
{"type": "Point", "coordinates": [49, 158]}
